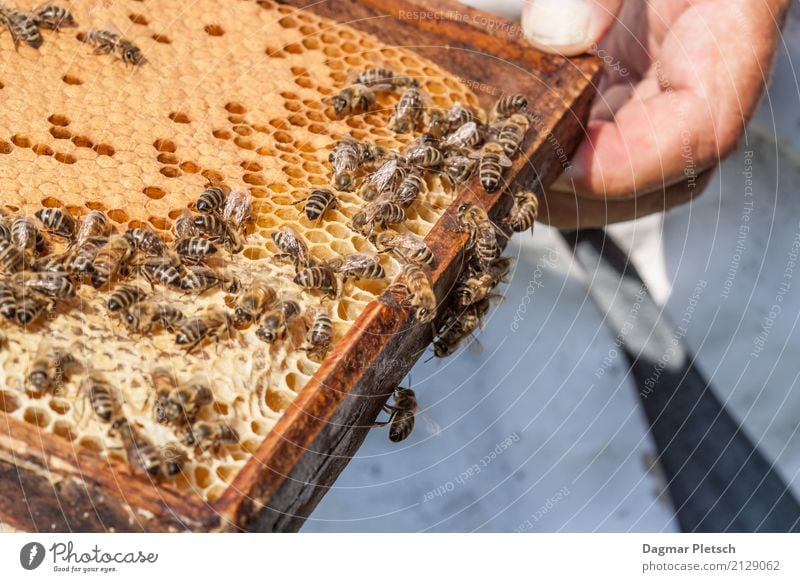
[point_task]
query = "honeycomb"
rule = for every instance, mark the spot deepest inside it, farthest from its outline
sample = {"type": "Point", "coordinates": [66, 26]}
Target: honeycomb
{"type": "Point", "coordinates": [233, 93]}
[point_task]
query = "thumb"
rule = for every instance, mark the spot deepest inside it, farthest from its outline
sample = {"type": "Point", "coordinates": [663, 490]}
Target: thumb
{"type": "Point", "coordinates": [568, 27]}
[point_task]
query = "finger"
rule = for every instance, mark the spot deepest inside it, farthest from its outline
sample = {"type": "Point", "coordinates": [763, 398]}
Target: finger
{"type": "Point", "coordinates": [567, 27]}
{"type": "Point", "coordinates": [569, 211]}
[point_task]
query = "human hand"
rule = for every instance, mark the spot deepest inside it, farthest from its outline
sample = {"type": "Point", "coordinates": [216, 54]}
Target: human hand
{"type": "Point", "coordinates": [682, 79]}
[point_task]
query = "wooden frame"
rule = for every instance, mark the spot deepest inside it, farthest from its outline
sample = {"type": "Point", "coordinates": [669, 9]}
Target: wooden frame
{"type": "Point", "coordinates": [49, 485]}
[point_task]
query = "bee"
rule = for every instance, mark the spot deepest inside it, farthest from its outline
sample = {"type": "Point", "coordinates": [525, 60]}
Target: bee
{"type": "Point", "coordinates": [210, 200]}
{"type": "Point", "coordinates": [53, 284]}
{"type": "Point", "coordinates": [318, 203]}
{"type": "Point", "coordinates": [508, 105]}
{"type": "Point", "coordinates": [193, 331]}
{"type": "Point", "coordinates": [524, 212]}
{"type": "Point", "coordinates": [482, 233]}
{"type": "Point", "coordinates": [474, 288]}
{"type": "Point", "coordinates": [361, 266]}
{"type": "Point", "coordinates": [436, 125]}
{"type": "Point", "coordinates": [384, 77]}
{"type": "Point", "coordinates": [210, 436]}
{"type": "Point", "coordinates": [377, 213]}
{"type": "Point", "coordinates": [8, 300]}
{"type": "Point", "coordinates": [320, 278]}
{"type": "Point", "coordinates": [249, 306]}
{"type": "Point", "coordinates": [408, 111]}
{"type": "Point", "coordinates": [459, 168]}
{"type": "Point", "coordinates": [124, 297]}
{"type": "Point", "coordinates": [145, 241]}
{"type": "Point", "coordinates": [491, 161]}
{"type": "Point", "coordinates": [356, 97]}
{"type": "Point", "coordinates": [181, 404]}
{"type": "Point", "coordinates": [26, 236]}
{"type": "Point", "coordinates": [459, 326]}
{"type": "Point", "coordinates": [345, 159]}
{"type": "Point", "coordinates": [23, 28]}
{"type": "Point", "coordinates": [408, 191]}
{"type": "Point", "coordinates": [143, 316]}
{"type": "Point", "coordinates": [275, 323]}
{"type": "Point", "coordinates": [31, 306]}
{"type": "Point", "coordinates": [511, 132]}
{"type": "Point", "coordinates": [57, 222]}
{"type": "Point", "coordinates": [11, 258]}
{"type": "Point", "coordinates": [79, 260]}
{"type": "Point", "coordinates": [421, 296]}
{"type": "Point", "coordinates": [319, 337]}
{"type": "Point", "coordinates": [108, 42]}
{"type": "Point", "coordinates": [145, 457]}
{"type": "Point", "coordinates": [465, 137]}
{"type": "Point", "coordinates": [458, 115]}
{"type": "Point", "coordinates": [291, 247]}
{"type": "Point", "coordinates": [386, 178]}
{"type": "Point", "coordinates": [219, 230]}
{"type": "Point", "coordinates": [54, 17]}
{"type": "Point", "coordinates": [183, 227]}
{"type": "Point", "coordinates": [401, 414]}
{"type": "Point", "coordinates": [195, 248]}
{"type": "Point", "coordinates": [200, 278]}
{"type": "Point", "coordinates": [166, 270]}
{"type": "Point", "coordinates": [370, 154]}
{"type": "Point", "coordinates": [110, 260]}
{"type": "Point", "coordinates": [101, 396]}
{"type": "Point", "coordinates": [238, 209]}
{"type": "Point", "coordinates": [406, 247]}
{"type": "Point", "coordinates": [93, 226]}
{"type": "Point", "coordinates": [50, 369]}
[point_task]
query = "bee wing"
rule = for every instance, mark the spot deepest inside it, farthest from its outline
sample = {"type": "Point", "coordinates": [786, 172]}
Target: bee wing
{"type": "Point", "coordinates": [431, 426]}
{"type": "Point", "coordinates": [504, 161]}
{"type": "Point", "coordinates": [238, 207]}
{"type": "Point", "coordinates": [183, 227]}
{"type": "Point", "coordinates": [358, 261]}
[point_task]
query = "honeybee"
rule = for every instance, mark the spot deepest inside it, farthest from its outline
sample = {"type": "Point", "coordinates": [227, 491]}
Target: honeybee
{"type": "Point", "coordinates": [143, 456]}
{"type": "Point", "coordinates": [193, 331]}
{"type": "Point", "coordinates": [386, 178]}
{"type": "Point", "coordinates": [408, 111]}
{"type": "Point", "coordinates": [143, 316]}
{"type": "Point", "coordinates": [458, 115]}
{"type": "Point", "coordinates": [291, 247]}
{"type": "Point", "coordinates": [345, 159]}
{"type": "Point", "coordinates": [31, 306]}
{"type": "Point", "coordinates": [200, 278]}
{"type": "Point", "coordinates": [53, 284]}
{"type": "Point", "coordinates": [238, 209]}
{"type": "Point", "coordinates": [100, 394]}
{"type": "Point", "coordinates": [459, 168]}
{"type": "Point", "coordinates": [377, 213]}
{"type": "Point", "coordinates": [54, 17]}
{"type": "Point", "coordinates": [465, 137]}
{"type": "Point", "coordinates": [57, 222]}
{"type": "Point", "coordinates": [405, 246]}
{"type": "Point", "coordinates": [183, 227]}
{"type": "Point", "coordinates": [424, 153]}
{"type": "Point", "coordinates": [93, 226]}
{"type": "Point", "coordinates": [166, 270]}
{"type": "Point", "coordinates": [401, 414]}
{"type": "Point", "coordinates": [318, 203]}
{"type": "Point", "coordinates": [275, 323]}
{"type": "Point", "coordinates": [22, 26]}
{"type": "Point", "coordinates": [370, 154]}
{"type": "Point", "coordinates": [482, 233]}
{"type": "Point", "coordinates": [146, 241]}
{"type": "Point", "coordinates": [111, 259]}
{"type": "Point", "coordinates": [319, 278]}
{"type": "Point", "coordinates": [524, 212]}
{"type": "Point", "coordinates": [508, 105]}
{"type": "Point", "coordinates": [459, 326]}
{"type": "Point", "coordinates": [421, 296]}
{"type": "Point", "coordinates": [8, 300]}
{"type": "Point", "coordinates": [50, 369]}
{"type": "Point", "coordinates": [11, 258]}
{"type": "Point", "coordinates": [124, 297]}
{"type": "Point", "coordinates": [220, 230]}
{"type": "Point", "coordinates": [356, 97]}
{"type": "Point", "coordinates": [473, 288]}
{"type": "Point", "coordinates": [408, 191]}
{"type": "Point", "coordinates": [180, 406]}
{"type": "Point", "coordinates": [491, 161]}
{"type": "Point", "coordinates": [384, 77]}
{"type": "Point", "coordinates": [110, 41]}
{"type": "Point", "coordinates": [251, 304]}
{"type": "Point", "coordinates": [210, 200]}
{"type": "Point", "coordinates": [511, 133]}
{"type": "Point", "coordinates": [79, 260]}
{"type": "Point", "coordinates": [26, 236]}
{"type": "Point", "coordinates": [319, 337]}
{"type": "Point", "coordinates": [195, 248]}
{"type": "Point", "coordinates": [210, 436]}
{"type": "Point", "coordinates": [361, 266]}
{"type": "Point", "coordinates": [436, 123]}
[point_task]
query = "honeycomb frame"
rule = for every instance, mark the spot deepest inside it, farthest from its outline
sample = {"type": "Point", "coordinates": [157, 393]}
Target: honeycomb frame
{"type": "Point", "coordinates": [353, 369]}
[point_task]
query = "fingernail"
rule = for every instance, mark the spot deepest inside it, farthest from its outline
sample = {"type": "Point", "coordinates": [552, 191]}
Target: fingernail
{"type": "Point", "coordinates": [567, 27]}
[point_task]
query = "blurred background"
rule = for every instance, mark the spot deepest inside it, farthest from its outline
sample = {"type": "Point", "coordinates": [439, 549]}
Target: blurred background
{"type": "Point", "coordinates": [540, 425]}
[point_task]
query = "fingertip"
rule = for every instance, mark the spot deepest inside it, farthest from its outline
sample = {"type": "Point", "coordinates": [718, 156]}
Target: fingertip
{"type": "Point", "coordinates": [568, 27]}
